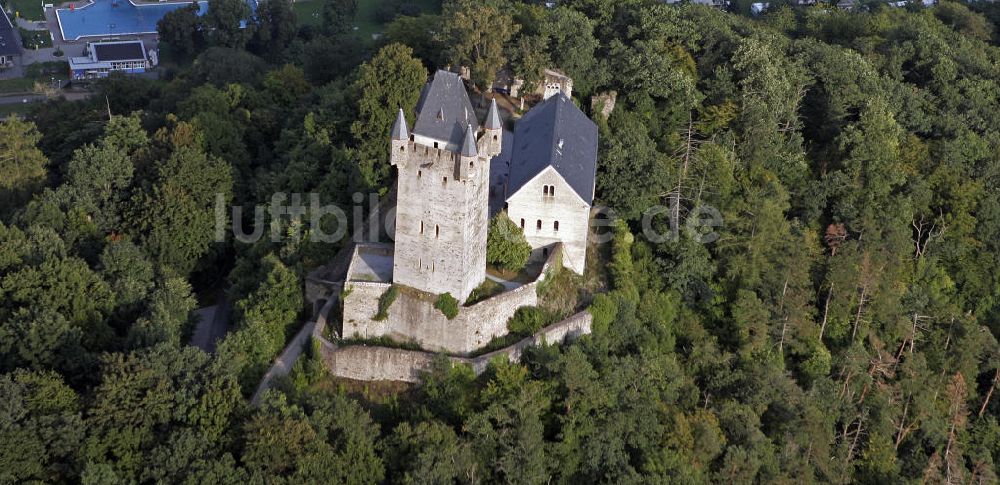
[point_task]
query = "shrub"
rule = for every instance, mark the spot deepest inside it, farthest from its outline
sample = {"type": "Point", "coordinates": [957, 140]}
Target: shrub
{"type": "Point", "coordinates": [622, 270]}
{"type": "Point", "coordinates": [528, 320]}
{"type": "Point", "coordinates": [506, 246]}
{"type": "Point", "coordinates": [384, 302]}
{"type": "Point", "coordinates": [487, 289]}
{"type": "Point", "coordinates": [604, 309]}
{"type": "Point", "coordinates": [447, 304]}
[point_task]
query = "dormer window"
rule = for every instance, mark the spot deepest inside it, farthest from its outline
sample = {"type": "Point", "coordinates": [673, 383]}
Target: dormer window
{"type": "Point", "coordinates": [440, 115]}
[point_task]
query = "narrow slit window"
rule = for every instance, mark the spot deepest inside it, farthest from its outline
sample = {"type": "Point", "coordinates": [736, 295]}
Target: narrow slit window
{"type": "Point", "coordinates": [421, 227]}
{"type": "Point", "coordinates": [522, 223]}
{"type": "Point", "coordinates": [555, 226]}
{"type": "Point", "coordinates": [437, 231]}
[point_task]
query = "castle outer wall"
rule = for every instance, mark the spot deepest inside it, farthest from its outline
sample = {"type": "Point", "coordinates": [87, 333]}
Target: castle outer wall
{"type": "Point", "coordinates": [371, 363]}
{"type": "Point", "coordinates": [413, 318]}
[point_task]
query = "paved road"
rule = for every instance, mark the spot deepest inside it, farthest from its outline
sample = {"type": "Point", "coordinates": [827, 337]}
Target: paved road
{"type": "Point", "coordinates": [283, 364]}
{"type": "Point", "coordinates": [32, 98]}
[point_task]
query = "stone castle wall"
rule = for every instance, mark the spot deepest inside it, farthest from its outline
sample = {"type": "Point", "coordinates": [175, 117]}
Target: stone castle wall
{"type": "Point", "coordinates": [371, 363]}
{"type": "Point", "coordinates": [413, 318]}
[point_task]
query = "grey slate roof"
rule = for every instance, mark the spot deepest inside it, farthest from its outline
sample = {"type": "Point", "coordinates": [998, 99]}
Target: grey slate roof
{"type": "Point", "coordinates": [469, 145]}
{"type": "Point", "coordinates": [555, 133]}
{"type": "Point", "coordinates": [493, 117]}
{"type": "Point", "coordinates": [399, 131]}
{"type": "Point", "coordinates": [444, 110]}
{"type": "Point", "coordinates": [10, 40]}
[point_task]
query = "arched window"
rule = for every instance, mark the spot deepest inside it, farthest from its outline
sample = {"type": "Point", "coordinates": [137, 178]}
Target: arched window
{"type": "Point", "coordinates": [552, 191]}
{"type": "Point", "coordinates": [402, 148]}
{"type": "Point", "coordinates": [538, 225]}
{"type": "Point", "coordinates": [555, 226]}
{"type": "Point", "coordinates": [445, 180]}
{"type": "Point", "coordinates": [545, 190]}
{"type": "Point", "coordinates": [470, 164]}
{"type": "Point", "coordinates": [420, 173]}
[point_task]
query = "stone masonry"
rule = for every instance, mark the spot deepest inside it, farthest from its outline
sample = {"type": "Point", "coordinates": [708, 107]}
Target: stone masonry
{"type": "Point", "coordinates": [442, 205]}
{"type": "Point", "coordinates": [413, 318]}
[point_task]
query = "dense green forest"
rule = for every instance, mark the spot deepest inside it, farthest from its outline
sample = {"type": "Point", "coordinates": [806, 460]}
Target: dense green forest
{"type": "Point", "coordinates": [842, 328]}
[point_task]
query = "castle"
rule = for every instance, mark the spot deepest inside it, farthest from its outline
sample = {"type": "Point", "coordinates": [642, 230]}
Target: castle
{"type": "Point", "coordinates": [442, 190]}
{"type": "Point", "coordinates": [453, 174]}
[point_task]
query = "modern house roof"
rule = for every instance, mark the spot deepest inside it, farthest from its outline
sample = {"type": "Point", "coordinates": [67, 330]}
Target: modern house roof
{"type": "Point", "coordinates": [119, 51]}
{"type": "Point", "coordinates": [444, 110]}
{"type": "Point", "coordinates": [10, 42]}
{"type": "Point", "coordinates": [555, 134]}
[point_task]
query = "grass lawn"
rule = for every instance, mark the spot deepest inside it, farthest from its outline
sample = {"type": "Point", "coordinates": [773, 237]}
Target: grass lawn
{"type": "Point", "coordinates": [367, 24]}
{"type": "Point", "coordinates": [32, 39]}
{"type": "Point", "coordinates": [18, 85]}
{"type": "Point", "coordinates": [15, 109]}
{"type": "Point", "coordinates": [29, 9]}
{"type": "Point", "coordinates": [309, 12]}
{"type": "Point", "coordinates": [42, 72]}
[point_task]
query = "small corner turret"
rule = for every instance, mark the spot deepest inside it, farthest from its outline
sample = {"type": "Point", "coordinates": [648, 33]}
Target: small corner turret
{"type": "Point", "coordinates": [494, 131]}
{"type": "Point", "coordinates": [400, 141]}
{"type": "Point", "coordinates": [470, 154]}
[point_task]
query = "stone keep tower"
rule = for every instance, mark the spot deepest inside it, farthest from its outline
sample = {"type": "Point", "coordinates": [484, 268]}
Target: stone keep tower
{"type": "Point", "coordinates": [442, 190]}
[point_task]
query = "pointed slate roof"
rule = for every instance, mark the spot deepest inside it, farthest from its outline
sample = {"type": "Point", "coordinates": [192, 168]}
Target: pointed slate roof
{"type": "Point", "coordinates": [444, 110]}
{"type": "Point", "coordinates": [493, 117]}
{"type": "Point", "coordinates": [469, 145]}
{"type": "Point", "coordinates": [555, 134]}
{"type": "Point", "coordinates": [399, 130]}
